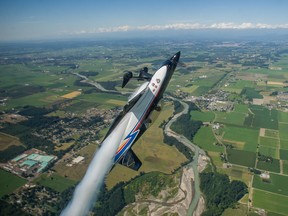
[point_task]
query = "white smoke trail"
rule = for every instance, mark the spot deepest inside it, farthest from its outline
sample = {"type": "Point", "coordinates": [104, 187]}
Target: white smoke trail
{"type": "Point", "coordinates": [85, 194]}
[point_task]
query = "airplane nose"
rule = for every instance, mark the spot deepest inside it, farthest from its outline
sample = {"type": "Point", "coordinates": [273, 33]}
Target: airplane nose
{"type": "Point", "coordinates": [175, 58]}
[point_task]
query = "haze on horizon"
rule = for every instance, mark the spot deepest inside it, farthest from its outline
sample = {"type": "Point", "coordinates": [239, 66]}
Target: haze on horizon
{"type": "Point", "coordinates": [27, 20]}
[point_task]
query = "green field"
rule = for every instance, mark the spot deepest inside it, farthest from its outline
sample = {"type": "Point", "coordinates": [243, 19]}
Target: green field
{"type": "Point", "coordinates": [272, 133]}
{"type": "Point", "coordinates": [243, 158]}
{"type": "Point", "coordinates": [206, 140]}
{"type": "Point", "coordinates": [273, 167]}
{"type": "Point", "coordinates": [270, 201]}
{"type": "Point", "coordinates": [248, 136]}
{"type": "Point", "coordinates": [283, 131]}
{"type": "Point", "coordinates": [269, 142]}
{"type": "Point", "coordinates": [204, 116]}
{"type": "Point", "coordinates": [267, 151]}
{"type": "Point", "coordinates": [285, 167]}
{"type": "Point", "coordinates": [277, 184]}
{"type": "Point", "coordinates": [9, 182]}
{"type": "Point", "coordinates": [262, 118]}
{"type": "Point", "coordinates": [55, 182]}
{"type": "Point", "coordinates": [284, 144]}
{"type": "Point", "coordinates": [283, 116]}
{"type": "Point", "coordinates": [233, 118]}
{"type": "Point", "coordinates": [283, 154]}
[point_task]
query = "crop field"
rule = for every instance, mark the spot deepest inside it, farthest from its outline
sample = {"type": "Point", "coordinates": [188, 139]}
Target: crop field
{"type": "Point", "coordinates": [270, 201]}
{"type": "Point", "coordinates": [269, 142]}
{"type": "Point", "coordinates": [283, 131]}
{"type": "Point", "coordinates": [267, 151]}
{"type": "Point", "coordinates": [284, 144]}
{"type": "Point", "coordinates": [7, 140]}
{"type": "Point", "coordinates": [285, 167]}
{"type": "Point", "coordinates": [71, 95]}
{"type": "Point", "coordinates": [283, 154]}
{"type": "Point", "coordinates": [206, 140]}
{"type": "Point", "coordinates": [263, 117]}
{"type": "Point", "coordinates": [9, 182]}
{"type": "Point", "coordinates": [272, 133]}
{"type": "Point", "coordinates": [273, 166]}
{"type": "Point", "coordinates": [55, 182]}
{"type": "Point", "coordinates": [277, 184]}
{"type": "Point", "coordinates": [233, 118]}
{"type": "Point", "coordinates": [240, 134]}
{"type": "Point", "coordinates": [237, 157]}
{"type": "Point", "coordinates": [204, 116]}
{"type": "Point", "coordinates": [238, 86]}
{"type": "Point", "coordinates": [282, 116]}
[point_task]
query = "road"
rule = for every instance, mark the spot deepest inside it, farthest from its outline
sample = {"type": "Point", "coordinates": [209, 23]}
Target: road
{"type": "Point", "coordinates": [197, 151]}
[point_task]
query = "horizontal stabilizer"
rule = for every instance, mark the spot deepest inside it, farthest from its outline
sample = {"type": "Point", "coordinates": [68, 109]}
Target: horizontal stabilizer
{"type": "Point", "coordinates": [130, 160]}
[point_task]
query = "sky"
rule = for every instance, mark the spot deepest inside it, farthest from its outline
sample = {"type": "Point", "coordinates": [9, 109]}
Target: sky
{"type": "Point", "coordinates": [41, 19]}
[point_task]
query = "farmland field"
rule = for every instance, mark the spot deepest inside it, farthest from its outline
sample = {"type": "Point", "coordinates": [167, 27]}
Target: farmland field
{"type": "Point", "coordinates": [285, 167]}
{"type": "Point", "coordinates": [9, 182]}
{"type": "Point", "coordinates": [269, 142]}
{"type": "Point", "coordinates": [270, 201]}
{"type": "Point", "coordinates": [204, 116]}
{"type": "Point", "coordinates": [277, 184]}
{"type": "Point", "coordinates": [55, 182]}
{"type": "Point", "coordinates": [283, 131]}
{"type": "Point", "coordinates": [263, 117]}
{"type": "Point", "coordinates": [283, 116]}
{"type": "Point", "coordinates": [269, 166]}
{"type": "Point", "coordinates": [240, 134]}
{"type": "Point", "coordinates": [236, 157]}
{"type": "Point", "coordinates": [206, 140]}
{"type": "Point", "coordinates": [283, 154]}
{"type": "Point", "coordinates": [233, 118]}
{"type": "Point", "coordinates": [267, 151]}
{"type": "Point", "coordinates": [7, 140]}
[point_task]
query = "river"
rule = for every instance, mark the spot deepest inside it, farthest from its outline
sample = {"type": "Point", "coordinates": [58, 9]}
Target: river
{"type": "Point", "coordinates": [194, 148]}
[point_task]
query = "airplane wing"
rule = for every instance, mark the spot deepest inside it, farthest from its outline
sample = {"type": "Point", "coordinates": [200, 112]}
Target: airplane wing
{"type": "Point", "coordinates": [130, 160]}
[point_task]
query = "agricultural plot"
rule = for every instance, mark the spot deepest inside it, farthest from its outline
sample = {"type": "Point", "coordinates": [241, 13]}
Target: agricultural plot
{"type": "Point", "coordinates": [243, 158]}
{"type": "Point", "coordinates": [283, 131]}
{"type": "Point", "coordinates": [7, 140]}
{"type": "Point", "coordinates": [269, 142]}
{"type": "Point", "coordinates": [276, 184]}
{"type": "Point", "coordinates": [273, 166]}
{"type": "Point", "coordinates": [240, 134]}
{"type": "Point", "coordinates": [270, 201]}
{"type": "Point", "coordinates": [204, 116]}
{"type": "Point", "coordinates": [285, 167]}
{"type": "Point", "coordinates": [267, 151]}
{"type": "Point", "coordinates": [206, 140]}
{"type": "Point", "coordinates": [283, 154]}
{"type": "Point", "coordinates": [55, 182]}
{"type": "Point", "coordinates": [282, 117]}
{"type": "Point", "coordinates": [9, 182]}
{"type": "Point", "coordinates": [271, 133]}
{"type": "Point", "coordinates": [284, 144]}
{"type": "Point", "coordinates": [262, 118]}
{"type": "Point", "coordinates": [238, 86]}
{"type": "Point", "coordinates": [233, 118]}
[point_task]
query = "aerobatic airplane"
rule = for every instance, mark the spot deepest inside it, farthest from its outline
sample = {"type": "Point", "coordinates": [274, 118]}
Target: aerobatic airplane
{"type": "Point", "coordinates": [134, 119]}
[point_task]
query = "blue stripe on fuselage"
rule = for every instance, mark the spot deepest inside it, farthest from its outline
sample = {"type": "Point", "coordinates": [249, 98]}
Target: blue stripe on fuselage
{"type": "Point", "coordinates": [133, 134]}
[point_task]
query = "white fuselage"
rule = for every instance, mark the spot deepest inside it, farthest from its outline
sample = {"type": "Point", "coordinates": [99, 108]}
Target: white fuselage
{"type": "Point", "coordinates": [132, 121]}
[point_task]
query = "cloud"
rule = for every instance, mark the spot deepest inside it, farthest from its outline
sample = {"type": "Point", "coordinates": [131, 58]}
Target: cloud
{"type": "Point", "coordinates": [184, 26]}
